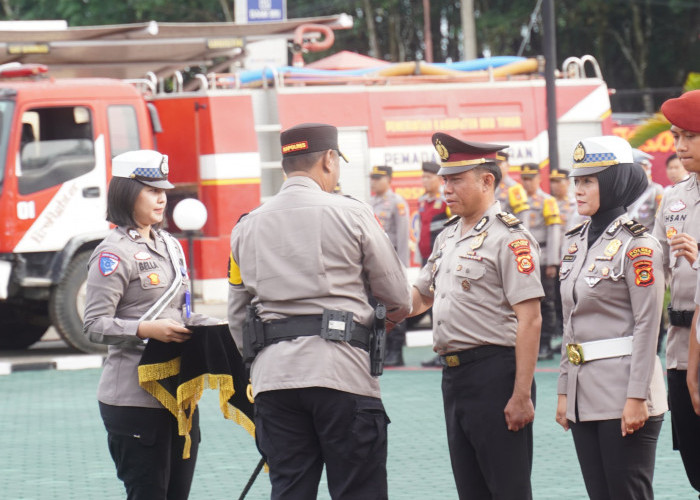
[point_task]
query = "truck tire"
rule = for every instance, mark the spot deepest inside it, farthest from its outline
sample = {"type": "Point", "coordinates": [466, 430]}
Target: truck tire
{"type": "Point", "coordinates": [67, 305]}
{"type": "Point", "coordinates": [21, 326]}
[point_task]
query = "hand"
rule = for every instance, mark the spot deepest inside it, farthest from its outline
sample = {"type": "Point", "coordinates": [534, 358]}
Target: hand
{"type": "Point", "coordinates": [561, 412]}
{"type": "Point", "coordinates": [519, 412]}
{"type": "Point", "coordinates": [550, 271]}
{"type": "Point", "coordinates": [165, 330]}
{"type": "Point", "coordinates": [634, 416]}
{"type": "Point", "coordinates": [692, 382]}
{"type": "Point", "coordinates": [684, 245]}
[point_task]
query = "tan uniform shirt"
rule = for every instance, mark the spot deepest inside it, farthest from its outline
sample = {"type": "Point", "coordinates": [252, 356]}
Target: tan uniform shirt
{"type": "Point", "coordinates": [513, 198]}
{"type": "Point", "coordinates": [644, 208]}
{"type": "Point", "coordinates": [545, 225]}
{"type": "Point", "coordinates": [302, 251]}
{"type": "Point", "coordinates": [392, 211]}
{"type": "Point", "coordinates": [614, 289]}
{"type": "Point", "coordinates": [679, 213]}
{"type": "Point", "coordinates": [126, 276]}
{"type": "Point", "coordinates": [475, 279]}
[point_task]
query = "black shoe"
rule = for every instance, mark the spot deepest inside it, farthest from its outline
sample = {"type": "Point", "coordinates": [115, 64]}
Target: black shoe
{"type": "Point", "coordinates": [546, 353]}
{"type": "Point", "coordinates": [432, 363]}
{"type": "Point", "coordinates": [394, 358]}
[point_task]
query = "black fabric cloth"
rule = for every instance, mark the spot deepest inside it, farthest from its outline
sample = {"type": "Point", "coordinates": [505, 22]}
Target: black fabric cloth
{"type": "Point", "coordinates": [600, 222]}
{"type": "Point", "coordinates": [210, 359]}
{"type": "Point", "coordinates": [548, 308]}
{"type": "Point", "coordinates": [616, 467]}
{"type": "Point", "coordinates": [685, 425]}
{"type": "Point", "coordinates": [299, 430]}
{"type": "Point", "coordinates": [147, 451]}
{"type": "Point", "coordinates": [488, 460]}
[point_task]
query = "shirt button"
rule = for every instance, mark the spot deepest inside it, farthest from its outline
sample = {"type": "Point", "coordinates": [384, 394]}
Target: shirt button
{"type": "Point", "coordinates": [442, 296]}
{"type": "Point", "coordinates": [439, 322]}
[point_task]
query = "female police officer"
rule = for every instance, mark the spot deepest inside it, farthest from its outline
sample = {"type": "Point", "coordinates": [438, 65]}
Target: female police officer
{"type": "Point", "coordinates": [611, 389]}
{"type": "Point", "coordinates": [138, 288]}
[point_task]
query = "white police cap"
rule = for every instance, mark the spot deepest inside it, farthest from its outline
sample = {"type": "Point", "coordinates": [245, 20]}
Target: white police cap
{"type": "Point", "coordinates": [595, 154]}
{"type": "Point", "coordinates": [146, 166]}
{"type": "Point", "coordinates": [640, 157]}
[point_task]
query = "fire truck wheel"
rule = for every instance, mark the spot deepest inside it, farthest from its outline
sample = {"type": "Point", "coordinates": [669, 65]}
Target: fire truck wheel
{"type": "Point", "coordinates": [67, 305]}
{"type": "Point", "coordinates": [22, 325]}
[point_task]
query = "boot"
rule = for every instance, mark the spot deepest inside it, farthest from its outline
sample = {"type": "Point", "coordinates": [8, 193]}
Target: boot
{"type": "Point", "coordinates": [394, 345]}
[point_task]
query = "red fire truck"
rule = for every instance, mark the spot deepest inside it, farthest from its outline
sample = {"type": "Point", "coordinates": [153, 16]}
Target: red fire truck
{"type": "Point", "coordinates": [57, 138]}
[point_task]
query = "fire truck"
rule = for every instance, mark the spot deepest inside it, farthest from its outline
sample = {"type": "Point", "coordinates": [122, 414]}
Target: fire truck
{"type": "Point", "coordinates": [58, 136]}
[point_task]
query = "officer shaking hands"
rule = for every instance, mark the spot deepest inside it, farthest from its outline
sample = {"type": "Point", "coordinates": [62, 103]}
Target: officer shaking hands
{"type": "Point", "coordinates": [483, 282]}
{"type": "Point", "coordinates": [305, 262]}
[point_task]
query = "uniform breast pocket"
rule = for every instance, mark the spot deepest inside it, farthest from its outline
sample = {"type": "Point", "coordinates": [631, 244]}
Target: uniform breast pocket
{"type": "Point", "coordinates": [469, 274]}
{"type": "Point", "coordinates": [151, 279]}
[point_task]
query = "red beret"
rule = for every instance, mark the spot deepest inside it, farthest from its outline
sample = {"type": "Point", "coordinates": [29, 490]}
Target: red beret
{"type": "Point", "coordinates": [684, 111]}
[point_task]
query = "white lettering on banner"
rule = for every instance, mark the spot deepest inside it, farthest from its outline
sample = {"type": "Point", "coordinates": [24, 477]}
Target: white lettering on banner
{"type": "Point", "coordinates": [26, 210]}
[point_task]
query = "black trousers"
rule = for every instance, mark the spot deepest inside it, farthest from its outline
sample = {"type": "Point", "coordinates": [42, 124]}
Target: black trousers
{"type": "Point", "coordinates": [488, 460]}
{"type": "Point", "coordinates": [147, 450]}
{"type": "Point", "coordinates": [299, 430]}
{"type": "Point", "coordinates": [548, 309]}
{"type": "Point", "coordinates": [616, 467]}
{"type": "Point", "coordinates": [685, 425]}
{"type": "Point", "coordinates": [558, 308]}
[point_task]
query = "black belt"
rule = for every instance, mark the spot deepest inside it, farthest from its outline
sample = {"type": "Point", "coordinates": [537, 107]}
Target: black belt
{"type": "Point", "coordinates": [680, 318]}
{"type": "Point", "coordinates": [462, 357]}
{"type": "Point", "coordinates": [306, 326]}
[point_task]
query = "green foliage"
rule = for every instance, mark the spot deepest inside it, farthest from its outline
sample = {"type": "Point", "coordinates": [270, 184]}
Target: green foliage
{"type": "Point", "coordinates": [650, 128]}
{"type": "Point", "coordinates": [692, 82]}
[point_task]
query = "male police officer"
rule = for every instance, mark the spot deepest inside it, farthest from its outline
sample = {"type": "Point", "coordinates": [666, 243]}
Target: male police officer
{"type": "Point", "coordinates": [545, 225]}
{"type": "Point", "coordinates": [678, 230]}
{"type": "Point", "coordinates": [509, 192]}
{"type": "Point", "coordinates": [644, 208]}
{"type": "Point", "coordinates": [483, 282]}
{"type": "Point", "coordinates": [432, 209]}
{"type": "Point", "coordinates": [306, 261]}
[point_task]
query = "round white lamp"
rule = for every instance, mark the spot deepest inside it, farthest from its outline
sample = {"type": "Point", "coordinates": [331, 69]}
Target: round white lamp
{"type": "Point", "coordinates": [190, 215]}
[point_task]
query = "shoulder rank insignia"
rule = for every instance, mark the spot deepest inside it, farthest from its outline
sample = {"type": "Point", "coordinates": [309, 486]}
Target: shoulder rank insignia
{"type": "Point", "coordinates": [634, 228]}
{"type": "Point", "coordinates": [453, 220]}
{"type": "Point", "coordinates": [576, 229]}
{"type": "Point", "coordinates": [479, 226]}
{"type": "Point", "coordinates": [613, 227]}
{"type": "Point", "coordinates": [509, 220]}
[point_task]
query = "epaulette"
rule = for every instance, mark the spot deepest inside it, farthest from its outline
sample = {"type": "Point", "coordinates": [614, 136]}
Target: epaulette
{"type": "Point", "coordinates": [509, 220]}
{"type": "Point", "coordinates": [241, 217]}
{"type": "Point", "coordinates": [453, 220]}
{"type": "Point", "coordinates": [576, 229]}
{"type": "Point", "coordinates": [635, 228]}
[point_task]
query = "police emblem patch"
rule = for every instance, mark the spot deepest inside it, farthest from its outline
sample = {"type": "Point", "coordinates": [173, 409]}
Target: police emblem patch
{"type": "Point", "coordinates": [523, 258]}
{"type": "Point", "coordinates": [639, 252]}
{"type": "Point", "coordinates": [644, 273]}
{"type": "Point", "coordinates": [671, 232]}
{"type": "Point", "coordinates": [579, 152]}
{"type": "Point", "coordinates": [108, 263]}
{"type": "Point", "coordinates": [154, 279]}
{"type": "Point", "coordinates": [441, 150]}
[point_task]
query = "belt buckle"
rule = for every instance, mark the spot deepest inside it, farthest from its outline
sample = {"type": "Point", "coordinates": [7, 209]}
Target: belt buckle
{"type": "Point", "coordinates": [575, 354]}
{"type": "Point", "coordinates": [452, 360]}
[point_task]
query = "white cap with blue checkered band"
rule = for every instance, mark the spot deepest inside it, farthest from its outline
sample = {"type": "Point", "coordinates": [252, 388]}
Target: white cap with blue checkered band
{"type": "Point", "coordinates": [146, 166]}
{"type": "Point", "coordinates": [595, 154]}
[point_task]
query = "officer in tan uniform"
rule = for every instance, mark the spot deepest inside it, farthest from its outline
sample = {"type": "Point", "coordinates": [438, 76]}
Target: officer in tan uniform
{"type": "Point", "coordinates": [392, 212]}
{"type": "Point", "coordinates": [306, 261]}
{"type": "Point", "coordinates": [138, 288]}
{"type": "Point", "coordinates": [510, 193]}
{"type": "Point", "coordinates": [483, 283]}
{"type": "Point", "coordinates": [678, 229]}
{"type": "Point", "coordinates": [545, 225]}
{"type": "Point", "coordinates": [611, 388]}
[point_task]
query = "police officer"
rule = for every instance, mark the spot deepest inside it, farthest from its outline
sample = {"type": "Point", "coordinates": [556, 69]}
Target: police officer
{"type": "Point", "coordinates": [611, 389]}
{"type": "Point", "coordinates": [303, 256]}
{"type": "Point", "coordinates": [138, 288]}
{"type": "Point", "coordinates": [392, 212]}
{"type": "Point", "coordinates": [510, 193]}
{"type": "Point", "coordinates": [432, 209]}
{"type": "Point", "coordinates": [483, 282]}
{"type": "Point", "coordinates": [545, 225]}
{"type": "Point", "coordinates": [644, 208]}
{"type": "Point", "coordinates": [678, 229]}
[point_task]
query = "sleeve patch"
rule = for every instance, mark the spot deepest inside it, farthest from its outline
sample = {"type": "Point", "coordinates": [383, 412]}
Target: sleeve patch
{"type": "Point", "coordinates": [234, 272]}
{"type": "Point", "coordinates": [639, 252]}
{"type": "Point", "coordinates": [108, 263]}
{"type": "Point", "coordinates": [401, 208]}
{"type": "Point", "coordinates": [523, 257]}
{"type": "Point", "coordinates": [644, 273]}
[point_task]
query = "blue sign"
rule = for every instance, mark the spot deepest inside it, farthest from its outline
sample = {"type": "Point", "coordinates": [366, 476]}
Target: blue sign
{"type": "Point", "coordinates": [266, 11]}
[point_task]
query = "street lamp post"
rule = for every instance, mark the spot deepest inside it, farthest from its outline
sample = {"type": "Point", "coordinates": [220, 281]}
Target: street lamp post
{"type": "Point", "coordinates": [190, 215]}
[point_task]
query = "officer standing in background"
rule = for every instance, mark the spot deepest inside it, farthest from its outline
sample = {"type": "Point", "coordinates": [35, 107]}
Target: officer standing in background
{"type": "Point", "coordinates": [392, 212]}
{"type": "Point", "coordinates": [644, 208]}
{"type": "Point", "coordinates": [306, 261]}
{"type": "Point", "coordinates": [509, 192]}
{"type": "Point", "coordinates": [545, 226]}
{"type": "Point", "coordinates": [678, 230]}
{"type": "Point", "coordinates": [432, 209]}
{"type": "Point", "coordinates": [483, 282]}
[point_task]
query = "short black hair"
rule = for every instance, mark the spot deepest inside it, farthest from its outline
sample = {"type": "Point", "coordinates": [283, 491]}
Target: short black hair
{"type": "Point", "coordinates": [671, 158]}
{"type": "Point", "coordinates": [301, 163]}
{"type": "Point", "coordinates": [121, 198]}
{"type": "Point", "coordinates": [491, 168]}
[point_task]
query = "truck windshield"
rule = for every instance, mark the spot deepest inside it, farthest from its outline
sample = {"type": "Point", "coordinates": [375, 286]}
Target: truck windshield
{"type": "Point", "coordinates": [6, 110]}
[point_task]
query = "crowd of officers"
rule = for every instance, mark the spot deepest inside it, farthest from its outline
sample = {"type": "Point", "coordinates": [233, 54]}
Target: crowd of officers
{"type": "Point", "coordinates": [506, 268]}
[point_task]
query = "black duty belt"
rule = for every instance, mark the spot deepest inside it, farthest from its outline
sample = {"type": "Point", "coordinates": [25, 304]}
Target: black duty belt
{"type": "Point", "coordinates": [680, 318]}
{"type": "Point", "coordinates": [462, 357]}
{"type": "Point", "coordinates": [307, 326]}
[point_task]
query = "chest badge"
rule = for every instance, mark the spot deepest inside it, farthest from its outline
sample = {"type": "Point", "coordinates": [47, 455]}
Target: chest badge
{"type": "Point", "coordinates": [605, 272]}
{"type": "Point", "coordinates": [478, 240]}
{"type": "Point", "coordinates": [466, 285]}
{"type": "Point", "coordinates": [592, 281]}
{"type": "Point", "coordinates": [591, 267]}
{"type": "Point", "coordinates": [573, 248]}
{"type": "Point", "coordinates": [612, 248]}
{"type": "Point", "coordinates": [671, 232]}
{"type": "Point", "coordinates": [154, 279]}
{"type": "Point", "coordinates": [677, 206]}
{"type": "Point", "coordinates": [142, 256]}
